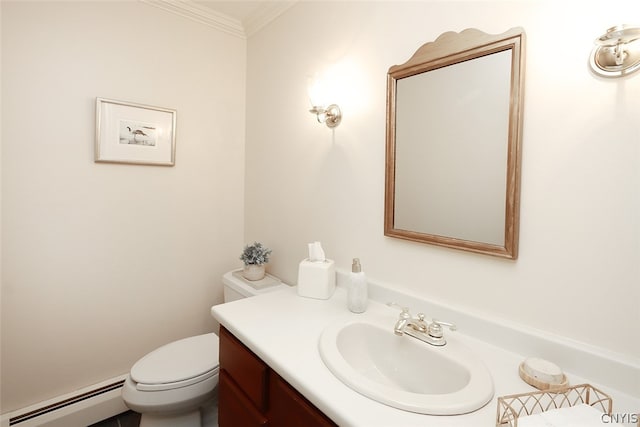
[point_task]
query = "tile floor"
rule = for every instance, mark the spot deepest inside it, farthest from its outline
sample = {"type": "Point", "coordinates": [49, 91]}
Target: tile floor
{"type": "Point", "coordinates": [132, 419]}
{"type": "Point", "coordinates": [126, 419]}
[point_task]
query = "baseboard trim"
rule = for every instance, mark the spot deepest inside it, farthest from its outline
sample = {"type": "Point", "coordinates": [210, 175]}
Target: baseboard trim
{"type": "Point", "coordinates": [80, 408]}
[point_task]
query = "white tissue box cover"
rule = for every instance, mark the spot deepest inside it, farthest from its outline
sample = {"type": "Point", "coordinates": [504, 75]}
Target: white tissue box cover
{"type": "Point", "coordinates": [316, 279]}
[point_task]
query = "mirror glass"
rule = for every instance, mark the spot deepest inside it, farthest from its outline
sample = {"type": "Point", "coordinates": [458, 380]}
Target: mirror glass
{"type": "Point", "coordinates": [453, 143]}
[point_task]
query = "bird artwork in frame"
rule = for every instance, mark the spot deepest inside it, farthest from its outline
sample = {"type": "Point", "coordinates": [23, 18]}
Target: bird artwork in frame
{"type": "Point", "coordinates": [137, 133]}
{"type": "Point", "coordinates": [134, 133]}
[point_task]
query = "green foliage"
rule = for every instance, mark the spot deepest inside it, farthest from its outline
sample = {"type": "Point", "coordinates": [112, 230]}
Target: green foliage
{"type": "Point", "coordinates": [255, 254]}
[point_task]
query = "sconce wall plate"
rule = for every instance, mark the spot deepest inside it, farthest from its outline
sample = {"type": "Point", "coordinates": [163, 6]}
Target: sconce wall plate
{"type": "Point", "coordinates": [331, 116]}
{"type": "Point", "coordinates": [617, 52]}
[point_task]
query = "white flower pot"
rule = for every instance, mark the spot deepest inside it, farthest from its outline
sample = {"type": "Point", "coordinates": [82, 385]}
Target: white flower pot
{"type": "Point", "coordinates": [253, 271]}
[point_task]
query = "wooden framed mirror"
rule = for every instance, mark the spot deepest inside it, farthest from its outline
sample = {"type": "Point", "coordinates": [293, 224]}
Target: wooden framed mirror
{"type": "Point", "coordinates": [453, 143]}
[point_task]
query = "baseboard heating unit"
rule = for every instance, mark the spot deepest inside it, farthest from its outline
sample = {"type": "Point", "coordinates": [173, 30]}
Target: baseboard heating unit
{"type": "Point", "coordinates": [78, 409]}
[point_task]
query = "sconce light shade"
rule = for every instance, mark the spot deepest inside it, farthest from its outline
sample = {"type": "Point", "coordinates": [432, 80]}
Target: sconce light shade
{"type": "Point", "coordinates": [617, 52]}
{"type": "Point", "coordinates": [331, 116]}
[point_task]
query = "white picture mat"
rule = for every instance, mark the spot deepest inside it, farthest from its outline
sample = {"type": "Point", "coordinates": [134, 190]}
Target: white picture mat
{"type": "Point", "coordinates": [110, 114]}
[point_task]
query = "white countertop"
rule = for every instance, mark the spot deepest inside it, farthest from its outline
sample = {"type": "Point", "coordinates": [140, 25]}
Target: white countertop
{"type": "Point", "coordinates": [283, 329]}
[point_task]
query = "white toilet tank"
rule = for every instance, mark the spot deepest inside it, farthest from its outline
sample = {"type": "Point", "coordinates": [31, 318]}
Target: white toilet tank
{"type": "Point", "coordinates": [237, 287]}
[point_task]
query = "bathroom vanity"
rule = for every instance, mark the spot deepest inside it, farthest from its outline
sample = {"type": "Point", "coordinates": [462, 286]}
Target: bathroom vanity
{"type": "Point", "coordinates": [271, 366]}
{"type": "Point", "coordinates": [252, 394]}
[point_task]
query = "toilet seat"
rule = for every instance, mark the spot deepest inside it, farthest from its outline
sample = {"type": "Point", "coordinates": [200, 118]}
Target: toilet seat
{"type": "Point", "coordinates": [176, 384]}
{"type": "Point", "coordinates": [178, 364]}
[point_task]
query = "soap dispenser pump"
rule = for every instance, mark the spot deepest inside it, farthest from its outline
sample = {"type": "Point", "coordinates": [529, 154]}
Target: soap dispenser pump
{"type": "Point", "coordinates": [357, 292]}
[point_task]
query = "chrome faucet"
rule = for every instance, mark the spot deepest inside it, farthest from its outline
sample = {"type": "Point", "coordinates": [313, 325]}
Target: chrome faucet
{"type": "Point", "coordinates": [402, 322]}
{"type": "Point", "coordinates": [429, 332]}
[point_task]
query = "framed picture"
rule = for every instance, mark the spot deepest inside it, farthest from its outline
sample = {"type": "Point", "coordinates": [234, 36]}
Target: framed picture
{"type": "Point", "coordinates": [134, 133]}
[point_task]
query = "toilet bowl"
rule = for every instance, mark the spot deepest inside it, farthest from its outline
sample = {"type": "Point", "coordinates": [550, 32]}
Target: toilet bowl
{"type": "Point", "coordinates": [169, 385]}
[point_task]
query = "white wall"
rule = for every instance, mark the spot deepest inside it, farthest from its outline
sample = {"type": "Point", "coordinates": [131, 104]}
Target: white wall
{"type": "Point", "coordinates": [578, 273]}
{"type": "Point", "coordinates": [96, 271]}
{"type": "Point", "coordinates": [102, 263]}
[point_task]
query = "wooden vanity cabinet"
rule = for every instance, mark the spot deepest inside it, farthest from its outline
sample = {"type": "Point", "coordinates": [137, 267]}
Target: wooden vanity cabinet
{"type": "Point", "coordinates": [234, 409]}
{"type": "Point", "coordinates": [252, 394]}
{"type": "Point", "coordinates": [289, 408]}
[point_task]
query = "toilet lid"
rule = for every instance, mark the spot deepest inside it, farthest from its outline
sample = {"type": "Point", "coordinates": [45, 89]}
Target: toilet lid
{"type": "Point", "coordinates": [178, 364]}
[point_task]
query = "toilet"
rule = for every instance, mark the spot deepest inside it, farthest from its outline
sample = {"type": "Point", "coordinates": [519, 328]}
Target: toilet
{"type": "Point", "coordinates": [169, 385]}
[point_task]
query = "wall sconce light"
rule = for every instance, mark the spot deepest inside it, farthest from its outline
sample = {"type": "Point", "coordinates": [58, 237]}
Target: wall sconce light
{"type": "Point", "coordinates": [321, 88]}
{"type": "Point", "coordinates": [331, 116]}
{"type": "Point", "coordinates": [617, 52]}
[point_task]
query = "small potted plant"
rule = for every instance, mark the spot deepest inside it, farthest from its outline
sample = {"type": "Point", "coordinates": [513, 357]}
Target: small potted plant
{"type": "Point", "coordinates": [254, 257]}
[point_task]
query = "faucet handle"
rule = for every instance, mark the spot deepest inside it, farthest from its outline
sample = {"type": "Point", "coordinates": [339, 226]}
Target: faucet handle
{"type": "Point", "coordinates": [396, 305]}
{"type": "Point", "coordinates": [435, 328]}
{"type": "Point", "coordinates": [420, 324]}
{"type": "Point", "coordinates": [405, 310]}
{"type": "Point", "coordinates": [452, 326]}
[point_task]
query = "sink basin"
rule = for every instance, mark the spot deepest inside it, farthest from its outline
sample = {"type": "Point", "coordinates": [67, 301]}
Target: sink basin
{"type": "Point", "coordinates": [404, 372]}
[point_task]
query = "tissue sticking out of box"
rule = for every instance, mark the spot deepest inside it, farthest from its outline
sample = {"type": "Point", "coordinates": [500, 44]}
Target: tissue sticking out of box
{"type": "Point", "coordinates": [316, 254]}
{"type": "Point", "coordinates": [316, 274]}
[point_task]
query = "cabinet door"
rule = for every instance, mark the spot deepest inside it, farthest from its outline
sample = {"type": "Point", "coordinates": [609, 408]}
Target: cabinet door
{"type": "Point", "coordinates": [287, 407]}
{"type": "Point", "coordinates": [234, 409]}
{"type": "Point", "coordinates": [248, 371]}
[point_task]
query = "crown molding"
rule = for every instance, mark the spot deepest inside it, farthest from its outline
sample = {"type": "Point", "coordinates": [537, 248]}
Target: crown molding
{"type": "Point", "coordinates": [203, 15]}
{"type": "Point", "coordinates": [264, 14]}
{"type": "Point", "coordinates": [267, 12]}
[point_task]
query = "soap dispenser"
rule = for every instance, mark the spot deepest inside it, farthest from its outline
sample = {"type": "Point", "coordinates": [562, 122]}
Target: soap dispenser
{"type": "Point", "coordinates": [357, 293]}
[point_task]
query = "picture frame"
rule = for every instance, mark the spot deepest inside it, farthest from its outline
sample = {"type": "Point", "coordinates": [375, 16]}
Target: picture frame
{"type": "Point", "coordinates": [135, 134]}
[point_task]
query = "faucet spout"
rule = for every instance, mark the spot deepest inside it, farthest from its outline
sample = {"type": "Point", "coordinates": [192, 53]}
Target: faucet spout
{"type": "Point", "coordinates": [402, 322]}
{"type": "Point", "coordinates": [398, 329]}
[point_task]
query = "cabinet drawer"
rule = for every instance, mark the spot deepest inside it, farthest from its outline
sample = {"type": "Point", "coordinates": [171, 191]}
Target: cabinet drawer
{"type": "Point", "coordinates": [289, 408]}
{"type": "Point", "coordinates": [234, 409]}
{"type": "Point", "coordinates": [247, 370]}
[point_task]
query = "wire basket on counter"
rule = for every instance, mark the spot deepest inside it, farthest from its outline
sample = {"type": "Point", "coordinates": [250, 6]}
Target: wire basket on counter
{"type": "Point", "coordinates": [511, 407]}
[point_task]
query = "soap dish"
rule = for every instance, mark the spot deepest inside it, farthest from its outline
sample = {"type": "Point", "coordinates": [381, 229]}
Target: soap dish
{"type": "Point", "coordinates": [541, 385]}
